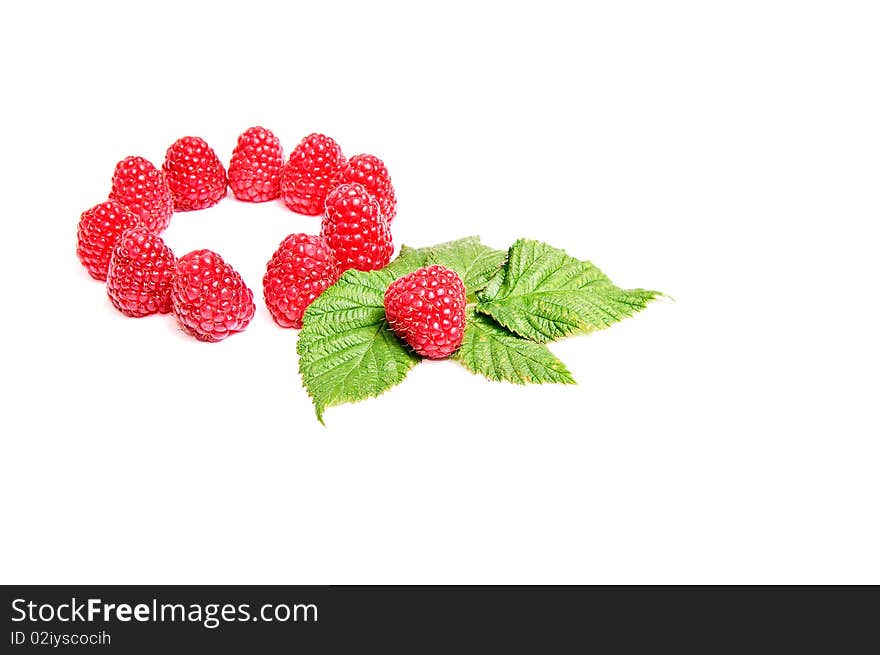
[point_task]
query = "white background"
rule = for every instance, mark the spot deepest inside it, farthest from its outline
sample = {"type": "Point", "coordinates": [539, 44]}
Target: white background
{"type": "Point", "coordinates": [726, 153]}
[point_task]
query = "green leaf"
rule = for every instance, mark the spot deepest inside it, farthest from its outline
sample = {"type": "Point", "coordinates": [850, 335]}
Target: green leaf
{"type": "Point", "coordinates": [347, 351]}
{"type": "Point", "coordinates": [473, 261]}
{"type": "Point", "coordinates": [407, 261]}
{"type": "Point", "coordinates": [544, 294]}
{"type": "Point", "coordinates": [492, 351]}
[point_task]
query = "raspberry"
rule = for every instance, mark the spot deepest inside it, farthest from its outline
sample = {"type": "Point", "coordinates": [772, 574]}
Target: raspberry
{"type": "Point", "coordinates": [139, 277]}
{"type": "Point", "coordinates": [255, 168]}
{"type": "Point", "coordinates": [370, 171]}
{"type": "Point", "coordinates": [427, 309]}
{"type": "Point", "coordinates": [209, 297]}
{"type": "Point", "coordinates": [195, 175]}
{"type": "Point", "coordinates": [308, 174]}
{"type": "Point", "coordinates": [356, 230]}
{"type": "Point", "coordinates": [301, 268]}
{"type": "Point", "coordinates": [142, 188]}
{"type": "Point", "coordinates": [99, 229]}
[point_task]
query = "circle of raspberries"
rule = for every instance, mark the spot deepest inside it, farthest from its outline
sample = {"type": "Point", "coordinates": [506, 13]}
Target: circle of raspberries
{"type": "Point", "coordinates": [255, 168]}
{"type": "Point", "coordinates": [355, 229]}
{"type": "Point", "coordinates": [118, 240]}
{"type": "Point", "coordinates": [139, 276]}
{"type": "Point", "coordinates": [308, 174]}
{"type": "Point", "coordinates": [209, 297]}
{"type": "Point", "coordinates": [299, 271]}
{"type": "Point", "coordinates": [427, 310]}
{"type": "Point", "coordinates": [195, 175]}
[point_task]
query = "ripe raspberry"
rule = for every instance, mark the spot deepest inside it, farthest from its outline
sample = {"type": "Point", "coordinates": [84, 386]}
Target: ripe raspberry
{"type": "Point", "coordinates": [255, 168]}
{"type": "Point", "coordinates": [370, 171]}
{"type": "Point", "coordinates": [142, 188]}
{"type": "Point", "coordinates": [427, 309]}
{"type": "Point", "coordinates": [139, 277]}
{"type": "Point", "coordinates": [209, 298]}
{"type": "Point", "coordinates": [195, 175]}
{"type": "Point", "coordinates": [299, 271]}
{"type": "Point", "coordinates": [99, 229]}
{"type": "Point", "coordinates": [307, 176]}
{"type": "Point", "coordinates": [356, 230]}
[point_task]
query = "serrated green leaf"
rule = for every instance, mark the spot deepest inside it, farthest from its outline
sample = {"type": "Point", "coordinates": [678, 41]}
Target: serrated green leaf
{"type": "Point", "coordinates": [347, 351]}
{"type": "Point", "coordinates": [473, 261]}
{"type": "Point", "coordinates": [407, 261]}
{"type": "Point", "coordinates": [543, 294]}
{"type": "Point", "coordinates": [490, 350]}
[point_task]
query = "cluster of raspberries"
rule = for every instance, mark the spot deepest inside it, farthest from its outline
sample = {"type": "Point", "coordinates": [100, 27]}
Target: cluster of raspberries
{"type": "Point", "coordinates": [118, 241]}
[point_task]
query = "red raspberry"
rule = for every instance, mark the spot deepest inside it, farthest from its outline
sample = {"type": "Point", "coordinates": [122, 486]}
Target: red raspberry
{"type": "Point", "coordinates": [195, 175]}
{"type": "Point", "coordinates": [370, 171]}
{"type": "Point", "coordinates": [427, 309]}
{"type": "Point", "coordinates": [299, 271]}
{"type": "Point", "coordinates": [209, 297]}
{"type": "Point", "coordinates": [307, 176]}
{"type": "Point", "coordinates": [139, 277]}
{"type": "Point", "coordinates": [99, 229]}
{"type": "Point", "coordinates": [356, 230]}
{"type": "Point", "coordinates": [255, 168]}
{"type": "Point", "coordinates": [142, 188]}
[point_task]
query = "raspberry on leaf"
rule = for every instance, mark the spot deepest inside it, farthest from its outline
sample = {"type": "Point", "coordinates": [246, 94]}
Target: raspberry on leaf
{"type": "Point", "coordinates": [427, 310]}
